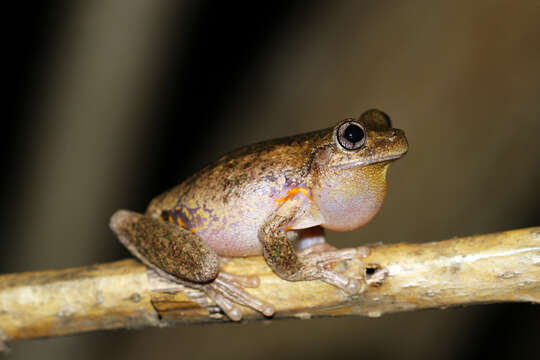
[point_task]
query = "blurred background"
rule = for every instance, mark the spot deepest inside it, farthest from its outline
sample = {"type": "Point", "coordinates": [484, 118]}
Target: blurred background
{"type": "Point", "coordinates": [113, 102]}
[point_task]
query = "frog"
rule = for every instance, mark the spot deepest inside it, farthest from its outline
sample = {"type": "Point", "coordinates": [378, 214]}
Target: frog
{"type": "Point", "coordinates": [276, 199]}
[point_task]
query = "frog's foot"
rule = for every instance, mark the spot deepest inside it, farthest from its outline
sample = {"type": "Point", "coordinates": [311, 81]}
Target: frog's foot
{"type": "Point", "coordinates": [321, 254]}
{"type": "Point", "coordinates": [317, 248]}
{"type": "Point", "coordinates": [227, 292]}
{"type": "Point", "coordinates": [316, 267]}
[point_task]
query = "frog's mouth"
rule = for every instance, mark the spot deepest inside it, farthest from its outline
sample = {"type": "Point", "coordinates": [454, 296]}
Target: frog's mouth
{"type": "Point", "coordinates": [368, 161]}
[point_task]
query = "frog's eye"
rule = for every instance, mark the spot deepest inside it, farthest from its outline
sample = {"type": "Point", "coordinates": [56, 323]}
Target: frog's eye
{"type": "Point", "coordinates": [351, 135]}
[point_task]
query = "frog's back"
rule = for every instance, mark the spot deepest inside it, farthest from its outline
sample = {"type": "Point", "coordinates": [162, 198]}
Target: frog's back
{"type": "Point", "coordinates": [228, 201]}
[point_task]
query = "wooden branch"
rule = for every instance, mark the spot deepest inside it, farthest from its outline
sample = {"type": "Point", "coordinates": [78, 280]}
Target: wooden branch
{"type": "Point", "coordinates": [501, 267]}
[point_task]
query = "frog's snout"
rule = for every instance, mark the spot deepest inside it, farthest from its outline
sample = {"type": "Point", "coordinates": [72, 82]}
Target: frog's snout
{"type": "Point", "coordinates": [398, 142]}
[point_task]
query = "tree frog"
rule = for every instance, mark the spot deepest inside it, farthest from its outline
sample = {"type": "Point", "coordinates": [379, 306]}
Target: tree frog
{"type": "Point", "coordinates": [272, 198]}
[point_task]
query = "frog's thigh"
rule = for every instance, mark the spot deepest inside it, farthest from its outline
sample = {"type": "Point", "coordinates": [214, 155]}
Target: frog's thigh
{"type": "Point", "coordinates": [166, 246]}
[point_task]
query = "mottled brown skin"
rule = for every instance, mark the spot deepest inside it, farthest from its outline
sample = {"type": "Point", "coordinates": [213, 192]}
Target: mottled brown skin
{"type": "Point", "coordinates": [256, 199]}
{"type": "Point", "coordinates": [173, 249]}
{"type": "Point", "coordinates": [239, 171]}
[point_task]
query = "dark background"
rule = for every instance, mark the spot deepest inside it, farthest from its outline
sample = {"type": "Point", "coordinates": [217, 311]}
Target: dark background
{"type": "Point", "coordinates": [113, 102]}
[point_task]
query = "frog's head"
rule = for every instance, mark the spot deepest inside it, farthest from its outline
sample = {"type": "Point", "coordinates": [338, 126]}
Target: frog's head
{"type": "Point", "coordinates": [349, 169]}
{"type": "Point", "coordinates": [370, 139]}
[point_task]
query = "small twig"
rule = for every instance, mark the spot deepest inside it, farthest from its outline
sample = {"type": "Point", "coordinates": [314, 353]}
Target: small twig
{"type": "Point", "coordinates": [501, 267]}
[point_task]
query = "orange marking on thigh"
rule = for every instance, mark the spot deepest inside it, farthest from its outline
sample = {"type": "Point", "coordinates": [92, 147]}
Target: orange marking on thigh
{"type": "Point", "coordinates": [292, 192]}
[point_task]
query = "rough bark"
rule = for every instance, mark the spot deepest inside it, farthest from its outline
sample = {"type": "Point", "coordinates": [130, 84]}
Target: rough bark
{"type": "Point", "coordinates": [500, 267]}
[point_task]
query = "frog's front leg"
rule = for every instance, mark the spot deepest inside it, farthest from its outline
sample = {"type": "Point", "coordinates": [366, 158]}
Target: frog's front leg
{"type": "Point", "coordinates": [309, 263]}
{"type": "Point", "coordinates": [182, 256]}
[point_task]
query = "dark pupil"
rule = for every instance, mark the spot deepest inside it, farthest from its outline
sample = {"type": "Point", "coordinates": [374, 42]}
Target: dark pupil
{"type": "Point", "coordinates": [353, 133]}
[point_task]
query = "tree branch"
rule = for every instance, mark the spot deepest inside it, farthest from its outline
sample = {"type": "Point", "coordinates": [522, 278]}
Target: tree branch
{"type": "Point", "coordinates": [500, 267]}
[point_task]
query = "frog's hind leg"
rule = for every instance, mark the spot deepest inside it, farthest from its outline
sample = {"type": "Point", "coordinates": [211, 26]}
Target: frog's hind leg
{"type": "Point", "coordinates": [183, 257]}
{"type": "Point", "coordinates": [166, 246]}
